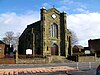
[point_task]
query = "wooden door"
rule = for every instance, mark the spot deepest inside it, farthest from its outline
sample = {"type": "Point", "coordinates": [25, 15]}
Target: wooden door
{"type": "Point", "coordinates": [54, 50]}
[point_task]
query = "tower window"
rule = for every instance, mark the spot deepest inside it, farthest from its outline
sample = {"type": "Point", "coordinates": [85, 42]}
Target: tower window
{"type": "Point", "coordinates": [54, 30]}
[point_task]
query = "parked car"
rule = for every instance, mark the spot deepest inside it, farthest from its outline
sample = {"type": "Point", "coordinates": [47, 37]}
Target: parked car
{"type": "Point", "coordinates": [98, 70]}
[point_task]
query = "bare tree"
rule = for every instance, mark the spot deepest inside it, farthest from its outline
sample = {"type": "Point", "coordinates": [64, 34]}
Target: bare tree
{"type": "Point", "coordinates": [16, 39]}
{"type": "Point", "coordinates": [11, 38]}
{"type": "Point", "coordinates": [74, 38]}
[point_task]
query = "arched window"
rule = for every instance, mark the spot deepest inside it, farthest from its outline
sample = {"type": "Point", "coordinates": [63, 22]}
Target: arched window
{"type": "Point", "coordinates": [54, 30]}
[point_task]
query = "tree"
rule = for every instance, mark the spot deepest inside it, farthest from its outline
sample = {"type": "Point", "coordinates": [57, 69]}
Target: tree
{"type": "Point", "coordinates": [74, 38]}
{"type": "Point", "coordinates": [15, 41]}
{"type": "Point", "coordinates": [11, 38]}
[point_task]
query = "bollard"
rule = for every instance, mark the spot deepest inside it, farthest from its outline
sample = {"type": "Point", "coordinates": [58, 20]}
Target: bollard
{"type": "Point", "coordinates": [77, 66]}
{"type": "Point", "coordinates": [89, 65]}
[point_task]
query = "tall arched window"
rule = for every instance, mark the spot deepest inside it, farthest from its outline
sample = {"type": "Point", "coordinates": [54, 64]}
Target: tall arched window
{"type": "Point", "coordinates": [54, 30]}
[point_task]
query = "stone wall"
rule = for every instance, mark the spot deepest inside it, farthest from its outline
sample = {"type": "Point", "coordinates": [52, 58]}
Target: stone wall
{"type": "Point", "coordinates": [31, 61]}
{"type": "Point", "coordinates": [86, 58]}
{"type": "Point", "coordinates": [98, 59]}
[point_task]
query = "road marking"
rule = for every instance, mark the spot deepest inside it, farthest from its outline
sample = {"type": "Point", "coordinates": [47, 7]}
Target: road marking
{"type": "Point", "coordinates": [35, 70]}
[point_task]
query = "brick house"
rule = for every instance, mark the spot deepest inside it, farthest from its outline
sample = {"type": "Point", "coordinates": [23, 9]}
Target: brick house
{"type": "Point", "coordinates": [5, 54]}
{"type": "Point", "coordinates": [2, 49]}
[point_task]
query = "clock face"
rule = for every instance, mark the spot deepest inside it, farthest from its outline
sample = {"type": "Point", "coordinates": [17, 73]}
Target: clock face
{"type": "Point", "coordinates": [53, 16]}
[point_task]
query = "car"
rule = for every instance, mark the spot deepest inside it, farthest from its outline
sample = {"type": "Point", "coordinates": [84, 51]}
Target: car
{"type": "Point", "coordinates": [98, 70]}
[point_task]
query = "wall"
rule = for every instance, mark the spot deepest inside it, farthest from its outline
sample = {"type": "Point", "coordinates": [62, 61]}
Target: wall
{"type": "Point", "coordinates": [86, 58]}
{"type": "Point", "coordinates": [2, 46]}
{"type": "Point", "coordinates": [31, 61]}
{"type": "Point", "coordinates": [7, 61]}
{"type": "Point", "coordinates": [98, 59]}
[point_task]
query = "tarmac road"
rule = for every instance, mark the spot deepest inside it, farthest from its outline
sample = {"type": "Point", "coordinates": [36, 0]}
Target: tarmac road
{"type": "Point", "coordinates": [84, 68]}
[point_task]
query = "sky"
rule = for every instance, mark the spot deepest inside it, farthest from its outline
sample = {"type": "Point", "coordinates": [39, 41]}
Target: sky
{"type": "Point", "coordinates": [83, 16]}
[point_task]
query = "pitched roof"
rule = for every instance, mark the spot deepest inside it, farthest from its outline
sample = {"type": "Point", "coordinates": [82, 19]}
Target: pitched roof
{"type": "Point", "coordinates": [1, 42]}
{"type": "Point", "coordinates": [79, 46]}
{"type": "Point", "coordinates": [54, 9]}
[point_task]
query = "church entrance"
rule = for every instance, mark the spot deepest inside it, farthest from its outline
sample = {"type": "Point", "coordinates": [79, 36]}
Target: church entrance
{"type": "Point", "coordinates": [54, 49]}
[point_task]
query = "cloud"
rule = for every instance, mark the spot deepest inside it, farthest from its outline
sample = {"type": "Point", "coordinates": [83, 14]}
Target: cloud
{"type": "Point", "coordinates": [81, 10]}
{"type": "Point", "coordinates": [11, 21]}
{"type": "Point", "coordinates": [73, 3]}
{"type": "Point", "coordinates": [67, 1]}
{"type": "Point", "coordinates": [47, 5]}
{"type": "Point", "coordinates": [86, 26]}
{"type": "Point", "coordinates": [73, 6]}
{"type": "Point", "coordinates": [63, 8]}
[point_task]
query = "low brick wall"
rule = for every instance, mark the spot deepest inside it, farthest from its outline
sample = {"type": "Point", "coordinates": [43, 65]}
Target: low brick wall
{"type": "Point", "coordinates": [7, 61]}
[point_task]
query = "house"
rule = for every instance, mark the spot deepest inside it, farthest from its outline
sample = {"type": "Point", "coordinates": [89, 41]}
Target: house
{"type": "Point", "coordinates": [94, 45]}
{"type": "Point", "coordinates": [78, 49]}
{"type": "Point", "coordinates": [5, 50]}
{"type": "Point", "coordinates": [2, 49]}
{"type": "Point", "coordinates": [82, 54]}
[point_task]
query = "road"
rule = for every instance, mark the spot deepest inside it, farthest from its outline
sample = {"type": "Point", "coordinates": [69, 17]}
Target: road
{"type": "Point", "coordinates": [84, 68]}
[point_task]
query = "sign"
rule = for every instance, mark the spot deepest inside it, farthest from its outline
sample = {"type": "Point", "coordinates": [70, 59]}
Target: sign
{"type": "Point", "coordinates": [28, 51]}
{"type": "Point", "coordinates": [87, 51]}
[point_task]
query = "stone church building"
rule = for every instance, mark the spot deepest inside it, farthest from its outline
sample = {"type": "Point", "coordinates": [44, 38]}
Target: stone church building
{"type": "Point", "coordinates": [47, 37]}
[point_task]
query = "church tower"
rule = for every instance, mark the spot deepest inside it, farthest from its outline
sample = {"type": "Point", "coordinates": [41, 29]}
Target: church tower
{"type": "Point", "coordinates": [55, 38]}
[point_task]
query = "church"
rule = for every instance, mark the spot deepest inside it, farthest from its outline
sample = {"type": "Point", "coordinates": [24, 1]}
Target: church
{"type": "Point", "coordinates": [47, 37]}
